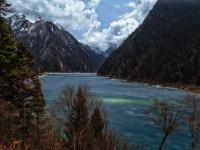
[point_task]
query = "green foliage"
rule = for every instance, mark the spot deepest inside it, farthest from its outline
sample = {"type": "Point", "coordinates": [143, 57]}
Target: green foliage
{"type": "Point", "coordinates": [19, 84]}
{"type": "Point", "coordinates": [16, 75]}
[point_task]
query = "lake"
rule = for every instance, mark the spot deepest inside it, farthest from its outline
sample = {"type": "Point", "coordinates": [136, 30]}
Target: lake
{"type": "Point", "coordinates": [127, 106]}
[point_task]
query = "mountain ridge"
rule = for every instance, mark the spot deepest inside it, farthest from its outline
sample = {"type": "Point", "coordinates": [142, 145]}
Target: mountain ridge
{"type": "Point", "coordinates": [163, 49]}
{"type": "Point", "coordinates": [54, 49]}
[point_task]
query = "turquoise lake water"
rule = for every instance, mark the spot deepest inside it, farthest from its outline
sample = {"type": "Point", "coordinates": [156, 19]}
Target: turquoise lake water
{"type": "Point", "coordinates": [126, 105]}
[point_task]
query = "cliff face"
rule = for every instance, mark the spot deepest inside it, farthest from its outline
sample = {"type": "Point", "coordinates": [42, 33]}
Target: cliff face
{"type": "Point", "coordinates": [165, 48]}
{"type": "Point", "coordinates": [54, 49]}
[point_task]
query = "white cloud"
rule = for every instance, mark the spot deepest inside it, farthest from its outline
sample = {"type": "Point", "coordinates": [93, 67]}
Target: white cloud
{"type": "Point", "coordinates": [94, 3]}
{"type": "Point", "coordinates": [132, 4]}
{"type": "Point", "coordinates": [72, 14]}
{"type": "Point", "coordinates": [114, 34]}
{"type": "Point", "coordinates": [79, 15]}
{"type": "Point", "coordinates": [119, 30]}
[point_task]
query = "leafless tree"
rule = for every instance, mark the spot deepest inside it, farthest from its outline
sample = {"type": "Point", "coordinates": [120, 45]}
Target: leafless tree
{"type": "Point", "coordinates": [193, 103]}
{"type": "Point", "coordinates": [79, 114]}
{"type": "Point", "coordinates": [168, 117]}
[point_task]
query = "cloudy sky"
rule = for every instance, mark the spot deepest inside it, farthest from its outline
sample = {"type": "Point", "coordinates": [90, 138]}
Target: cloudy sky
{"type": "Point", "coordinates": [97, 23]}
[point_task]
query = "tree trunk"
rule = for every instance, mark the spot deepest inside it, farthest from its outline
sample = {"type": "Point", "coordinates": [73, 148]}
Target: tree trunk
{"type": "Point", "coordinates": [194, 143]}
{"type": "Point", "coordinates": [162, 142]}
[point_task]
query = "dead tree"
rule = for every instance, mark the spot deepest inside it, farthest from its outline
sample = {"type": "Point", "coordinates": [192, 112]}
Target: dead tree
{"type": "Point", "coordinates": [80, 118]}
{"type": "Point", "coordinates": [193, 118]}
{"type": "Point", "coordinates": [168, 117]}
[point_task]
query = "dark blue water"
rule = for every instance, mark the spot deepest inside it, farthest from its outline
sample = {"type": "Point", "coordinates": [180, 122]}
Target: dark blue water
{"type": "Point", "coordinates": [126, 105]}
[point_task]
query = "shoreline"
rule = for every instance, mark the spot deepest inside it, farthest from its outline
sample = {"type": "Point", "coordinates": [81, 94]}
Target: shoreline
{"type": "Point", "coordinates": [67, 73]}
{"type": "Point", "coordinates": [177, 86]}
{"type": "Point", "coordinates": [183, 87]}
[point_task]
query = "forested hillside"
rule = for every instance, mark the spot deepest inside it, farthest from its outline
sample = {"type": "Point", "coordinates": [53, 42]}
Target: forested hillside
{"type": "Point", "coordinates": [21, 100]}
{"type": "Point", "coordinates": [164, 49]}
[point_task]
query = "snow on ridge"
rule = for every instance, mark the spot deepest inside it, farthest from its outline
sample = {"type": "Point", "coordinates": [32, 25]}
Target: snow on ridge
{"type": "Point", "coordinates": [19, 15]}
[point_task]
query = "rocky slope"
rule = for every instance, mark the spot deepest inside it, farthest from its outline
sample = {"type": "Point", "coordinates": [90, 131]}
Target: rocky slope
{"type": "Point", "coordinates": [54, 49]}
{"type": "Point", "coordinates": [164, 49]}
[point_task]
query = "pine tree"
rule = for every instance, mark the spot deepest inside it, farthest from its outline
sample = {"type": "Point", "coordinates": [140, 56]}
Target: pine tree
{"type": "Point", "coordinates": [8, 60]}
{"type": "Point", "coordinates": [18, 82]}
{"type": "Point", "coordinates": [30, 98]}
{"type": "Point", "coordinates": [79, 113]}
{"type": "Point", "coordinates": [97, 122]}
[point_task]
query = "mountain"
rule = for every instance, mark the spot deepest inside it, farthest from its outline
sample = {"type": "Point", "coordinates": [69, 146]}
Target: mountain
{"type": "Point", "coordinates": [109, 51]}
{"type": "Point", "coordinates": [54, 49]}
{"type": "Point", "coordinates": [97, 50]}
{"type": "Point", "coordinates": [165, 48]}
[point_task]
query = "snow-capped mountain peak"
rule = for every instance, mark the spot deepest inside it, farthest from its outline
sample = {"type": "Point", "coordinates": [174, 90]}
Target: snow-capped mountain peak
{"type": "Point", "coordinates": [54, 48]}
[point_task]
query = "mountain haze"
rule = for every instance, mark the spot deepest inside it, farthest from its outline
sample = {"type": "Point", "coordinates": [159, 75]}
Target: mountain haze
{"type": "Point", "coordinates": [109, 51]}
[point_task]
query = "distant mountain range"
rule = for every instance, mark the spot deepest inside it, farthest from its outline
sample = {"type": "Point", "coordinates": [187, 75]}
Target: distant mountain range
{"type": "Point", "coordinates": [109, 51]}
{"type": "Point", "coordinates": [54, 49]}
{"type": "Point", "coordinates": [164, 49]}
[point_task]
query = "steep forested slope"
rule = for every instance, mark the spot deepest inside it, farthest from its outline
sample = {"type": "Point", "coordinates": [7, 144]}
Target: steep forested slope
{"type": "Point", "coordinates": [21, 98]}
{"type": "Point", "coordinates": [16, 71]}
{"type": "Point", "coordinates": [164, 49]}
